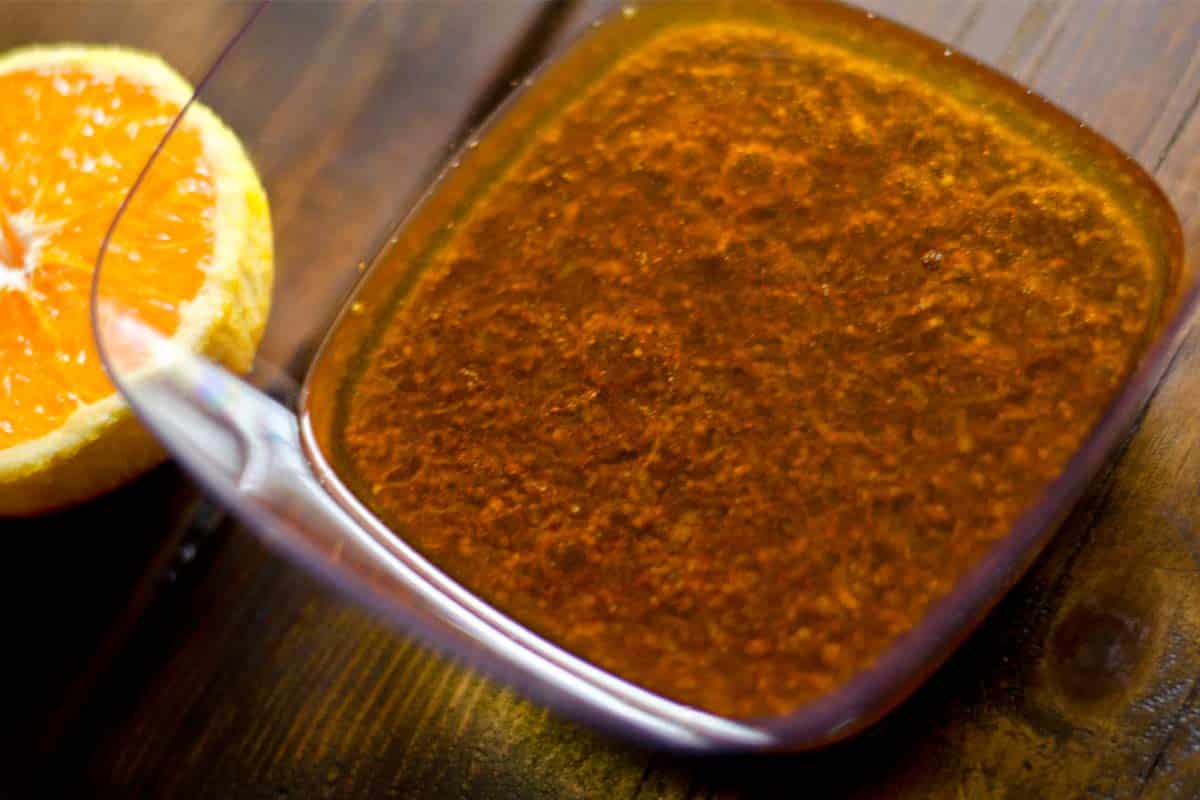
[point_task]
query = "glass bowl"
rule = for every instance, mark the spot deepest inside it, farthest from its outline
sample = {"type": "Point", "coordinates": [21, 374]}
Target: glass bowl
{"type": "Point", "coordinates": [243, 440]}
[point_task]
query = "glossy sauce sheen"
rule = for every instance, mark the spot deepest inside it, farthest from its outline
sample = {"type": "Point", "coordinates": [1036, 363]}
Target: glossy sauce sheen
{"type": "Point", "coordinates": [747, 359]}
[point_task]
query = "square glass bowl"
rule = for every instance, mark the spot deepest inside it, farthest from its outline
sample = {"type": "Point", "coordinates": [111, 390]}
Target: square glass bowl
{"type": "Point", "coordinates": [269, 463]}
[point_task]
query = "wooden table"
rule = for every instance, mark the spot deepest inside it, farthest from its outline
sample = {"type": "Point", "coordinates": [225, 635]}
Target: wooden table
{"type": "Point", "coordinates": [161, 652]}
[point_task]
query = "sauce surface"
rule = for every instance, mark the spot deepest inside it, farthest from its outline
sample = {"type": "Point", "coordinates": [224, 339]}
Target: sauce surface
{"type": "Point", "coordinates": [744, 363]}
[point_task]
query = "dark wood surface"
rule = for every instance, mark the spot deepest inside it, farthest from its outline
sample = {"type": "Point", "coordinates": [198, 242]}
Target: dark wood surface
{"type": "Point", "coordinates": [180, 659]}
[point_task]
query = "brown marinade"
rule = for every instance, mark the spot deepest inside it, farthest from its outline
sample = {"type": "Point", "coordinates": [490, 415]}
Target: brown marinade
{"type": "Point", "coordinates": [750, 356]}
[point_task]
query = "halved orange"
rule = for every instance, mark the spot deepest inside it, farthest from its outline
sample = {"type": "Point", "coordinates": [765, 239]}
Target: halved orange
{"type": "Point", "coordinates": [192, 257]}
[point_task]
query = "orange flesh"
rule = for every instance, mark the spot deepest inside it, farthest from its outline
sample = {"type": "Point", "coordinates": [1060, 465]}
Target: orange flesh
{"type": "Point", "coordinates": [71, 144]}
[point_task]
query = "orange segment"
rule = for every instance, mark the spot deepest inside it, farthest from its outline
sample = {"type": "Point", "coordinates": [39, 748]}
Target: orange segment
{"type": "Point", "coordinates": [72, 141]}
{"type": "Point", "coordinates": [30, 390]}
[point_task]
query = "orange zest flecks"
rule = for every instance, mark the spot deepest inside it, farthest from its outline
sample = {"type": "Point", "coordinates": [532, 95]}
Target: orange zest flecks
{"type": "Point", "coordinates": [755, 351]}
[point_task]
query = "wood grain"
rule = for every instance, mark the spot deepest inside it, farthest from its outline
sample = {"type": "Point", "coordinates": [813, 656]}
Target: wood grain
{"type": "Point", "coordinates": [243, 678]}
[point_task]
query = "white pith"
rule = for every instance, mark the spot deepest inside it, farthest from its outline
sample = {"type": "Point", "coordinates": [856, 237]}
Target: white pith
{"type": "Point", "coordinates": [22, 239]}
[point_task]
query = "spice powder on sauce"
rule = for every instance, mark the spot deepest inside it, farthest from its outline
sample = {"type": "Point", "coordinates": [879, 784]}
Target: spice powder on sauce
{"type": "Point", "coordinates": [756, 350]}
